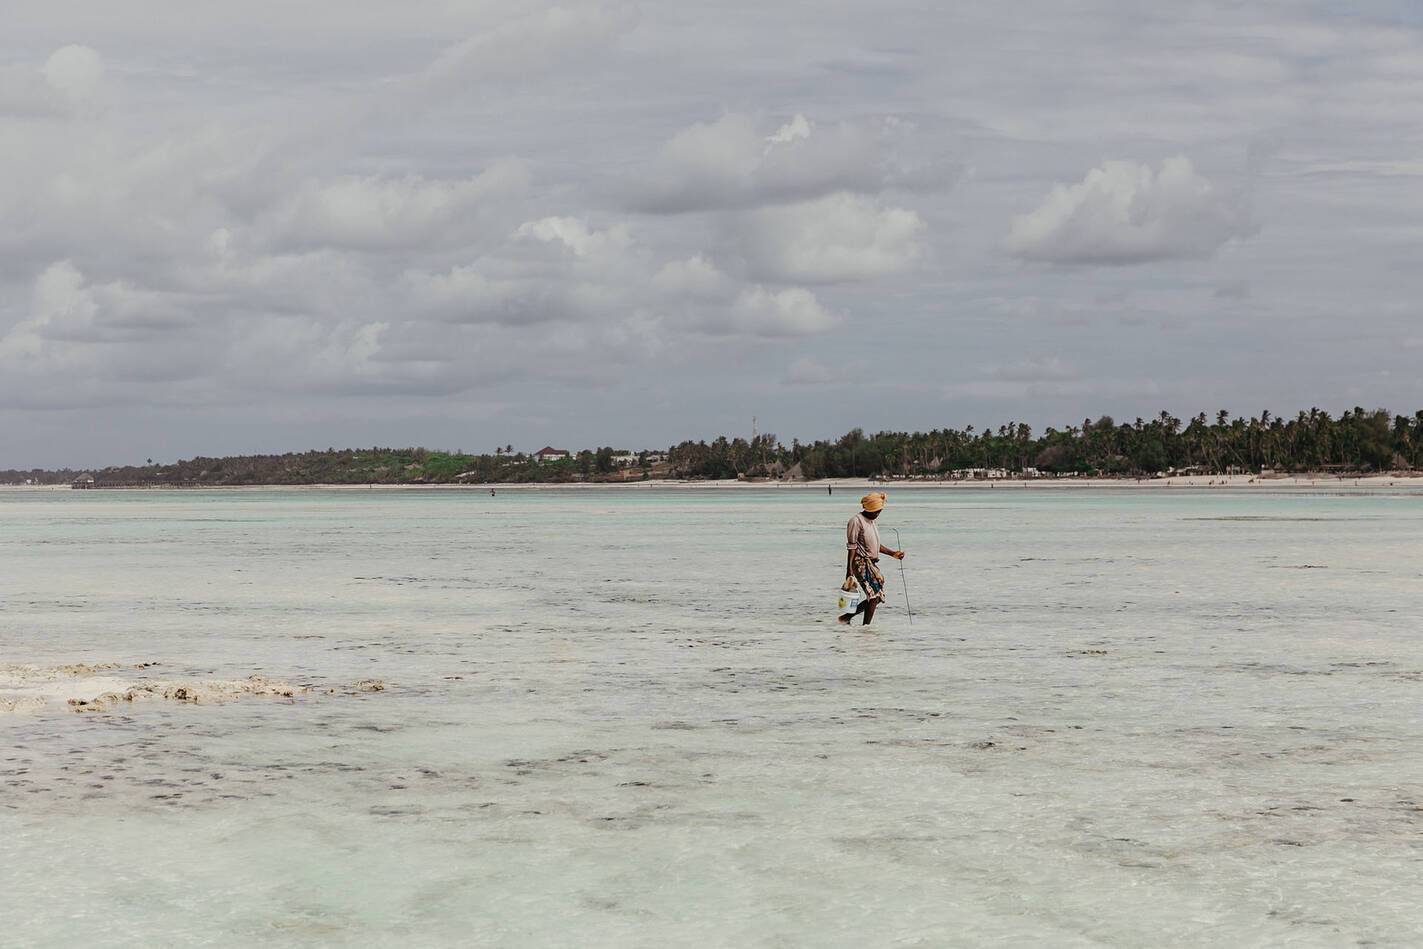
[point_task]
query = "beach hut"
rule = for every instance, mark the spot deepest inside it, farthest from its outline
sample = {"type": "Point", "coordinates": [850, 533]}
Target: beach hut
{"type": "Point", "coordinates": [86, 480]}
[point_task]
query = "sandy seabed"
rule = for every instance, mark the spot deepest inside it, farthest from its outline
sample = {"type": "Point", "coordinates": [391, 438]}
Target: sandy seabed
{"type": "Point", "coordinates": [627, 718]}
{"type": "Point", "coordinates": [104, 686]}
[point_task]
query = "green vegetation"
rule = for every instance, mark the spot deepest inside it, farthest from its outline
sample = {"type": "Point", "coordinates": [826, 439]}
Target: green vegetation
{"type": "Point", "coordinates": [1358, 441]}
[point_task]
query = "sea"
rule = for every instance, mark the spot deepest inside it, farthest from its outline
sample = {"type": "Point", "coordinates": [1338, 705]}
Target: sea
{"type": "Point", "coordinates": [626, 717]}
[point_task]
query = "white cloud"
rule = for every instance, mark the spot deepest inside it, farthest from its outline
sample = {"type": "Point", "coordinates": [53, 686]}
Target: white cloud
{"type": "Point", "coordinates": [75, 71]}
{"type": "Point", "coordinates": [60, 299]}
{"type": "Point", "coordinates": [62, 296]}
{"type": "Point", "coordinates": [469, 295]}
{"type": "Point", "coordinates": [550, 269]}
{"type": "Point", "coordinates": [69, 80]}
{"type": "Point", "coordinates": [83, 341]}
{"type": "Point", "coordinates": [736, 162]}
{"type": "Point", "coordinates": [1126, 213]}
{"type": "Point", "coordinates": [696, 276]}
{"type": "Point", "coordinates": [564, 270]}
{"type": "Point", "coordinates": [517, 46]}
{"type": "Point", "coordinates": [794, 130]}
{"type": "Point", "coordinates": [604, 246]}
{"type": "Point", "coordinates": [66, 306]}
{"type": "Point", "coordinates": [375, 213]}
{"type": "Point", "coordinates": [840, 237]}
{"type": "Point", "coordinates": [758, 311]}
{"type": "Point", "coordinates": [305, 355]}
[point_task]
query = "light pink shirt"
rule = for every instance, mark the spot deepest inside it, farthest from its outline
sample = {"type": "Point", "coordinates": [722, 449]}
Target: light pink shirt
{"type": "Point", "coordinates": [862, 534]}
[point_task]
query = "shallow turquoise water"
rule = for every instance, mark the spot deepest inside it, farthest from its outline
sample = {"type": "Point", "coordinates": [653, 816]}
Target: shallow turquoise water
{"type": "Point", "coordinates": [627, 718]}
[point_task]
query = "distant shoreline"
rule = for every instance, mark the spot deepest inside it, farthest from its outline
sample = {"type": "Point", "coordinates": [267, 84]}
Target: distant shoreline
{"type": "Point", "coordinates": [849, 485]}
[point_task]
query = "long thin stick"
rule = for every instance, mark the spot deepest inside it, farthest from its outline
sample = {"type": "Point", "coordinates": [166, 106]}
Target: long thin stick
{"type": "Point", "coordinates": [899, 545]}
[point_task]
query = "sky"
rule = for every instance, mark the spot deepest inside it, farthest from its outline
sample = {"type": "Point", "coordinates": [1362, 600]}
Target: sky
{"type": "Point", "coordinates": [263, 227]}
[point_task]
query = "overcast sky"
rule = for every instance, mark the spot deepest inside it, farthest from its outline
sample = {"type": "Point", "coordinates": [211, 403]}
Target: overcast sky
{"type": "Point", "coordinates": [270, 226]}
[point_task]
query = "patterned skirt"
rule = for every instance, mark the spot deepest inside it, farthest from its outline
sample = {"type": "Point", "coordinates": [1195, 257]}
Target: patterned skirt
{"type": "Point", "coordinates": [866, 572]}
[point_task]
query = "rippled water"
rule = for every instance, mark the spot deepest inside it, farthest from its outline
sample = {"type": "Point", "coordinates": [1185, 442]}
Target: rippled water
{"type": "Point", "coordinates": [627, 718]}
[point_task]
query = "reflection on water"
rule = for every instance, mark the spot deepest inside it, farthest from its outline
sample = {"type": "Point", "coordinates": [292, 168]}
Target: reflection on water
{"type": "Point", "coordinates": [624, 718]}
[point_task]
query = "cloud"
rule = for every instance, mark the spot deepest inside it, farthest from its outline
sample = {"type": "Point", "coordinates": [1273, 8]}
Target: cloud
{"type": "Point", "coordinates": [568, 271]}
{"type": "Point", "coordinates": [573, 234]}
{"type": "Point", "coordinates": [378, 213]}
{"type": "Point", "coordinates": [806, 371]}
{"type": "Point", "coordinates": [1126, 213]}
{"type": "Point", "coordinates": [75, 71]}
{"type": "Point", "coordinates": [550, 269]}
{"type": "Point", "coordinates": [469, 295]}
{"type": "Point", "coordinates": [316, 214]}
{"type": "Point", "coordinates": [695, 277]}
{"type": "Point", "coordinates": [758, 311]}
{"type": "Point", "coordinates": [840, 237]}
{"type": "Point", "coordinates": [739, 162]}
{"type": "Point", "coordinates": [70, 79]}
{"type": "Point", "coordinates": [66, 306]}
{"type": "Point", "coordinates": [524, 44]}
{"type": "Point", "coordinates": [84, 343]}
{"type": "Point", "coordinates": [302, 356]}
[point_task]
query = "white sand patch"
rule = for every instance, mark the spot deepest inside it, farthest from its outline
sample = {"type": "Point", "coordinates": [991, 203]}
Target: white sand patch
{"type": "Point", "coordinates": [22, 695]}
{"type": "Point", "coordinates": [28, 688]}
{"type": "Point", "coordinates": [95, 687]}
{"type": "Point", "coordinates": [192, 691]}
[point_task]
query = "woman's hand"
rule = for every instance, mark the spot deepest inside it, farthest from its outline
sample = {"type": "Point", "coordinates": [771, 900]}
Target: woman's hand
{"type": "Point", "coordinates": [898, 555]}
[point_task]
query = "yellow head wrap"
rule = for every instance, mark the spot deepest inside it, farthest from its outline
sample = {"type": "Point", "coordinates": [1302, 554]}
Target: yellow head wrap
{"type": "Point", "coordinates": [874, 501]}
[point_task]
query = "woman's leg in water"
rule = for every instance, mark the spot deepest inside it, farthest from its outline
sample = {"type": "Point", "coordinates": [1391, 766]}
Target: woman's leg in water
{"type": "Point", "coordinates": [845, 618]}
{"type": "Point", "coordinates": [869, 610]}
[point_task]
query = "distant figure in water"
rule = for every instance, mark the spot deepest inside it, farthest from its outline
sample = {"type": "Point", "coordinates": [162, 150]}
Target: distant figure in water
{"type": "Point", "coordinates": [830, 489]}
{"type": "Point", "coordinates": [862, 552]}
{"type": "Point", "coordinates": [491, 492]}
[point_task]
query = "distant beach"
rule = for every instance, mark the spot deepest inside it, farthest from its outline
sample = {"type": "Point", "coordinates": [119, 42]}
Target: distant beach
{"type": "Point", "coordinates": [1374, 482]}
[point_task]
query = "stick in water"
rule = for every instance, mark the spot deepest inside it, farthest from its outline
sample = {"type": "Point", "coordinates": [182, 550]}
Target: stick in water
{"type": "Point", "coordinates": [899, 545]}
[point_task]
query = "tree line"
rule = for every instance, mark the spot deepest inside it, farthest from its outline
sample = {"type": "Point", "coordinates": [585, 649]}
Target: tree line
{"type": "Point", "coordinates": [1357, 441]}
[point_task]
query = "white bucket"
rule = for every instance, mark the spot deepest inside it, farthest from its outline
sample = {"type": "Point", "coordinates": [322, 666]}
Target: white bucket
{"type": "Point", "coordinates": [847, 601]}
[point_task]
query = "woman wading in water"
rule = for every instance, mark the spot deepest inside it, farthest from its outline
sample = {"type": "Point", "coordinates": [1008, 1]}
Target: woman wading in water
{"type": "Point", "coordinates": [862, 550]}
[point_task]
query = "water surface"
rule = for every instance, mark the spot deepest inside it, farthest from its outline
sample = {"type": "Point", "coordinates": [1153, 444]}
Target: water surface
{"type": "Point", "coordinates": [627, 718]}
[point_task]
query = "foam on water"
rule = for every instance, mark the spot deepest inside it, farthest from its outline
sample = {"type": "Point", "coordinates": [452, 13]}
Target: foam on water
{"type": "Point", "coordinates": [624, 719]}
